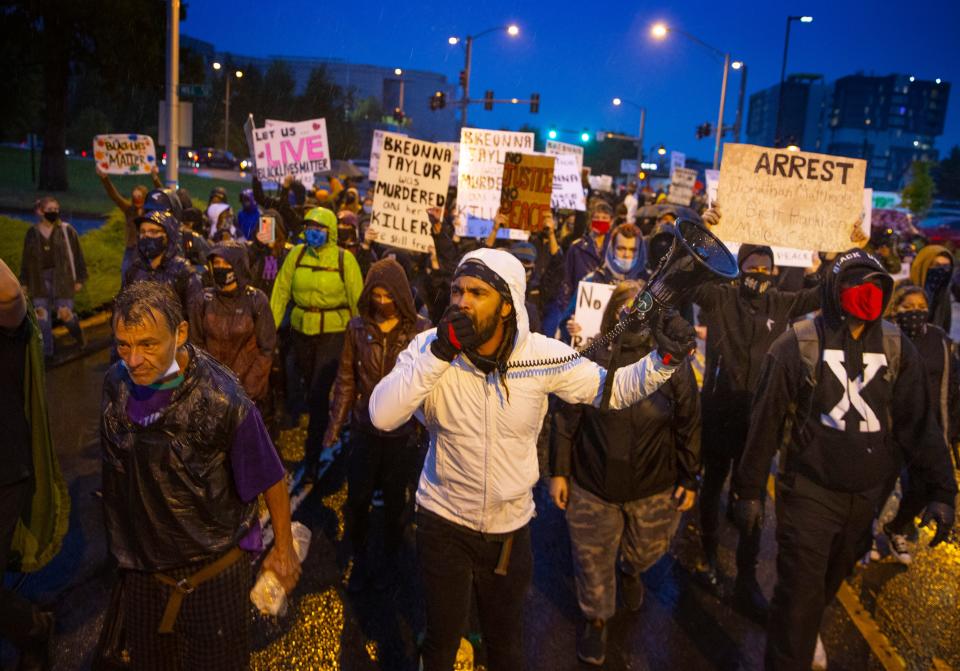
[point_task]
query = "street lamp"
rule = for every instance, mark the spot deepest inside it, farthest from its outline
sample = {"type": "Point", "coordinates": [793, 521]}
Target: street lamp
{"type": "Point", "coordinates": [226, 101]}
{"type": "Point", "coordinates": [778, 139]}
{"type": "Point", "coordinates": [660, 31]}
{"type": "Point", "coordinates": [511, 29]}
{"type": "Point", "coordinates": [742, 67]}
{"type": "Point", "coordinates": [617, 102]}
{"type": "Point", "coordinates": [662, 150]}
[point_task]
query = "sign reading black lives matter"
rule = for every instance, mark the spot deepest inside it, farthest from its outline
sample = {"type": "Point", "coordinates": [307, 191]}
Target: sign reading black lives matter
{"type": "Point", "coordinates": [791, 198]}
{"type": "Point", "coordinates": [412, 177]}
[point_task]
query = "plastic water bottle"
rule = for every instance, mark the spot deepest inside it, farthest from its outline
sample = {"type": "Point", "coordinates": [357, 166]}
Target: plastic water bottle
{"type": "Point", "coordinates": [268, 594]}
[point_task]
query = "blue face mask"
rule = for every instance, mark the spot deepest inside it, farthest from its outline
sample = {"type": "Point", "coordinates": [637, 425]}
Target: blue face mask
{"type": "Point", "coordinates": [622, 265]}
{"type": "Point", "coordinates": [315, 237]}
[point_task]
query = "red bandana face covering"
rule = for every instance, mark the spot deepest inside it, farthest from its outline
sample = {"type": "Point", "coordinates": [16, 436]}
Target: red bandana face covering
{"type": "Point", "coordinates": [864, 301]}
{"type": "Point", "coordinates": [601, 226]}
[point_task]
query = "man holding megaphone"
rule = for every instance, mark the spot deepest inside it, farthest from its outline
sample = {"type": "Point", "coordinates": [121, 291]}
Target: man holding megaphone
{"type": "Point", "coordinates": [479, 382]}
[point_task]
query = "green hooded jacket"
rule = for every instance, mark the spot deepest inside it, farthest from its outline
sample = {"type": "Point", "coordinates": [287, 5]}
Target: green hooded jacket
{"type": "Point", "coordinates": [311, 278]}
{"type": "Point", "coordinates": [42, 524]}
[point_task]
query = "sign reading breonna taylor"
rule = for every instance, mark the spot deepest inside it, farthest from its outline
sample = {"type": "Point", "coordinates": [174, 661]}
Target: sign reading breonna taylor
{"type": "Point", "coordinates": [412, 177]}
{"type": "Point", "coordinates": [299, 149]}
{"type": "Point", "coordinates": [480, 177]}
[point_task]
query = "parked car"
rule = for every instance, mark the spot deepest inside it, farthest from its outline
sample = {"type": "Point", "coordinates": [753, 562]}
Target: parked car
{"type": "Point", "coordinates": [209, 157]}
{"type": "Point", "coordinates": [942, 230]}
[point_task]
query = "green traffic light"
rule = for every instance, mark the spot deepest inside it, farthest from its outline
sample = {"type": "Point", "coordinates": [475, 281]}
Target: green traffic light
{"type": "Point", "coordinates": [552, 134]}
{"type": "Point", "coordinates": [584, 136]}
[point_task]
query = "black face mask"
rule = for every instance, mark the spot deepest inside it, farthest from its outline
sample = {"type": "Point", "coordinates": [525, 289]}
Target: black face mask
{"type": "Point", "coordinates": [912, 322]}
{"type": "Point", "coordinates": [754, 284]}
{"type": "Point", "coordinates": [150, 248]}
{"type": "Point", "coordinates": [224, 276]}
{"type": "Point", "coordinates": [51, 216]}
{"type": "Point", "coordinates": [937, 278]}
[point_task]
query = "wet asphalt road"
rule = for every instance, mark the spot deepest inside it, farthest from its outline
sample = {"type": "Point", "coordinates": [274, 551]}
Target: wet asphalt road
{"type": "Point", "coordinates": [681, 625]}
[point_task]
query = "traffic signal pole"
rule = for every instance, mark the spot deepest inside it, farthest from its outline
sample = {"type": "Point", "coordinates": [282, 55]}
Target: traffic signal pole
{"type": "Point", "coordinates": [173, 93]}
{"type": "Point", "coordinates": [465, 102]}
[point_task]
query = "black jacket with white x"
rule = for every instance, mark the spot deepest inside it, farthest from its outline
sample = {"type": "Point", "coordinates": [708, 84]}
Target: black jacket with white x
{"type": "Point", "coordinates": [855, 428]}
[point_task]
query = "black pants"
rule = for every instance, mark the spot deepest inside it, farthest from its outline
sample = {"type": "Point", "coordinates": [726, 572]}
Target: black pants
{"type": "Point", "coordinates": [376, 461]}
{"type": "Point", "coordinates": [456, 565]}
{"type": "Point", "coordinates": [716, 467]}
{"type": "Point", "coordinates": [317, 357]}
{"type": "Point", "coordinates": [17, 615]}
{"type": "Point", "coordinates": [211, 630]}
{"type": "Point", "coordinates": [820, 535]}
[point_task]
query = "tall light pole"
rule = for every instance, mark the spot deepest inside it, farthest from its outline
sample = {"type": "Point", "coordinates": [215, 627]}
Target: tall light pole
{"type": "Point", "coordinates": [512, 30]}
{"type": "Point", "coordinates": [173, 93]}
{"type": "Point", "coordinates": [742, 67]}
{"type": "Point", "coordinates": [399, 73]}
{"type": "Point", "coordinates": [617, 102]}
{"type": "Point", "coordinates": [660, 31]}
{"type": "Point", "coordinates": [778, 138]}
{"type": "Point", "coordinates": [226, 102]}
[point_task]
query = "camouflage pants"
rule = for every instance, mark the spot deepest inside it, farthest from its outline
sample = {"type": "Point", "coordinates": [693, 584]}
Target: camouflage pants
{"type": "Point", "coordinates": [638, 531]}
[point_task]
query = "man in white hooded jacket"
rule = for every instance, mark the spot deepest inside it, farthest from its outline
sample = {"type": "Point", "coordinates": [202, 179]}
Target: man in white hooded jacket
{"type": "Point", "coordinates": [474, 499]}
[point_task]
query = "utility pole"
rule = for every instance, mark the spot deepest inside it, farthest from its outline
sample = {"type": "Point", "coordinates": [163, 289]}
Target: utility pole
{"type": "Point", "coordinates": [643, 121]}
{"type": "Point", "coordinates": [465, 103]}
{"type": "Point", "coordinates": [226, 112]}
{"type": "Point", "coordinates": [743, 90]}
{"type": "Point", "coordinates": [173, 101]}
{"type": "Point", "coordinates": [723, 97]}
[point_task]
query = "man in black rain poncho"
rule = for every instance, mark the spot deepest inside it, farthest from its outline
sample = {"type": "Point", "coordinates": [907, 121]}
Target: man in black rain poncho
{"type": "Point", "coordinates": [742, 321]}
{"type": "Point", "coordinates": [853, 393]}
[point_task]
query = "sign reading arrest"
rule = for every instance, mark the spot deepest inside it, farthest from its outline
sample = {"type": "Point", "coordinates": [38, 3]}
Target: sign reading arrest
{"type": "Point", "coordinates": [790, 199]}
{"type": "Point", "coordinates": [412, 177]}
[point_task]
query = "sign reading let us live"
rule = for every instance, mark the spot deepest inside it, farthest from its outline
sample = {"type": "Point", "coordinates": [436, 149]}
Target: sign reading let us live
{"type": "Point", "coordinates": [299, 149]}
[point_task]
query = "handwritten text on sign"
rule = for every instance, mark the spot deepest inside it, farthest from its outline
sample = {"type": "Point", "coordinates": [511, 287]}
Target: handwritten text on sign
{"type": "Point", "coordinates": [124, 154]}
{"type": "Point", "coordinates": [567, 184]}
{"type": "Point", "coordinates": [412, 177]}
{"type": "Point", "coordinates": [527, 185]}
{"type": "Point", "coordinates": [592, 299]}
{"type": "Point", "coordinates": [555, 148]}
{"type": "Point", "coordinates": [299, 149]}
{"type": "Point", "coordinates": [480, 179]}
{"type": "Point", "coordinates": [790, 199]}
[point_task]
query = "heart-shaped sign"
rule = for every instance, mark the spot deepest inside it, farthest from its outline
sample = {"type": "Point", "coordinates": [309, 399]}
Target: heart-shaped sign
{"type": "Point", "coordinates": [316, 126]}
{"type": "Point", "coordinates": [104, 165]}
{"type": "Point", "coordinates": [99, 143]}
{"type": "Point", "coordinates": [260, 155]}
{"type": "Point", "coordinates": [98, 155]}
{"type": "Point", "coordinates": [150, 159]}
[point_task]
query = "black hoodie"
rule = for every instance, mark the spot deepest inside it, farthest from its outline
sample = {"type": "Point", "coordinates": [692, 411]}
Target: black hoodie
{"type": "Point", "coordinates": [174, 270]}
{"type": "Point", "coordinates": [853, 429]}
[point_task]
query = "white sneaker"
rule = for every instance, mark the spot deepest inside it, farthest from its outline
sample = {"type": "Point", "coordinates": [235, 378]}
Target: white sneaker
{"type": "Point", "coordinates": [899, 548]}
{"type": "Point", "coordinates": [819, 656]}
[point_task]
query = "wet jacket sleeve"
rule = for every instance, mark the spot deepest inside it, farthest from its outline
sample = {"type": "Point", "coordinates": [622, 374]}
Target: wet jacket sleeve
{"type": "Point", "coordinates": [916, 430]}
{"type": "Point", "coordinates": [281, 287]}
{"type": "Point", "coordinates": [353, 281]}
{"type": "Point", "coordinates": [953, 403]}
{"type": "Point", "coordinates": [114, 195]}
{"type": "Point", "coordinates": [195, 318]}
{"type": "Point", "coordinates": [583, 380]}
{"type": "Point", "coordinates": [566, 420]}
{"type": "Point", "coordinates": [799, 303]}
{"type": "Point", "coordinates": [401, 393]}
{"type": "Point", "coordinates": [344, 389]}
{"type": "Point", "coordinates": [79, 263]}
{"type": "Point", "coordinates": [779, 384]}
{"type": "Point", "coordinates": [706, 296]}
{"type": "Point", "coordinates": [194, 291]}
{"type": "Point", "coordinates": [686, 426]}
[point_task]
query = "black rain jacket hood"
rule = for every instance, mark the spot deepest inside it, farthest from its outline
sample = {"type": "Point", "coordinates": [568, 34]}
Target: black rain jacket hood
{"type": "Point", "coordinates": [234, 253]}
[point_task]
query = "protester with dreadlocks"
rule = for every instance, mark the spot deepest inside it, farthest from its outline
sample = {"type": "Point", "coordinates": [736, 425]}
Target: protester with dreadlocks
{"type": "Point", "coordinates": [474, 497]}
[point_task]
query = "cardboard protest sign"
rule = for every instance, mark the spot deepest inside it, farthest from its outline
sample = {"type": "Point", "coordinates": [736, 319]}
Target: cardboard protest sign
{"type": "Point", "coordinates": [526, 191]}
{"type": "Point", "coordinates": [790, 198]}
{"type": "Point", "coordinates": [413, 177]}
{"type": "Point", "coordinates": [555, 148]}
{"type": "Point", "coordinates": [298, 148]}
{"type": "Point", "coordinates": [677, 160]}
{"type": "Point", "coordinates": [713, 179]}
{"type": "Point", "coordinates": [782, 256]}
{"type": "Point", "coordinates": [601, 183]}
{"type": "Point", "coordinates": [681, 186]}
{"type": "Point", "coordinates": [124, 153]}
{"type": "Point", "coordinates": [455, 146]}
{"type": "Point", "coordinates": [480, 178]}
{"type": "Point", "coordinates": [567, 185]}
{"type": "Point", "coordinates": [592, 299]}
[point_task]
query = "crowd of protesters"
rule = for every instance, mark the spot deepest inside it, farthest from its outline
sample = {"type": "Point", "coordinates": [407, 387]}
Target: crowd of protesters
{"type": "Point", "coordinates": [236, 321]}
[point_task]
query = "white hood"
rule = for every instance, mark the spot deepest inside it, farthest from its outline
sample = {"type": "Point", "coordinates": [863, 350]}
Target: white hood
{"type": "Point", "coordinates": [507, 266]}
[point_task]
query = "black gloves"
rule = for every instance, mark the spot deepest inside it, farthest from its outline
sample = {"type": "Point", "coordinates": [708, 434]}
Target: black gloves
{"type": "Point", "coordinates": [943, 515]}
{"type": "Point", "coordinates": [676, 339]}
{"type": "Point", "coordinates": [455, 333]}
{"type": "Point", "coordinates": [747, 514]}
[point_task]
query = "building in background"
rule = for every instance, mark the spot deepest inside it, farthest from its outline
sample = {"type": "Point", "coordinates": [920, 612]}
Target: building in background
{"type": "Point", "coordinates": [890, 121]}
{"type": "Point", "coordinates": [410, 91]}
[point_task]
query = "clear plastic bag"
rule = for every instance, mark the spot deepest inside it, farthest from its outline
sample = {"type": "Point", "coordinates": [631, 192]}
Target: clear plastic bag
{"type": "Point", "coordinates": [268, 594]}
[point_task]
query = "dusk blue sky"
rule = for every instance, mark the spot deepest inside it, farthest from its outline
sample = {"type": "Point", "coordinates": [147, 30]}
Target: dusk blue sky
{"type": "Point", "coordinates": [579, 55]}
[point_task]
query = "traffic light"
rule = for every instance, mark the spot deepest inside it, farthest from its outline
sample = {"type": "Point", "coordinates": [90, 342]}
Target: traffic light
{"type": "Point", "coordinates": [552, 134]}
{"type": "Point", "coordinates": [488, 100]}
{"type": "Point", "coordinates": [585, 137]}
{"type": "Point", "coordinates": [704, 130]}
{"type": "Point", "coordinates": [438, 101]}
{"type": "Point", "coordinates": [534, 103]}
{"type": "Point", "coordinates": [398, 115]}
{"type": "Point", "coordinates": [463, 78]}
